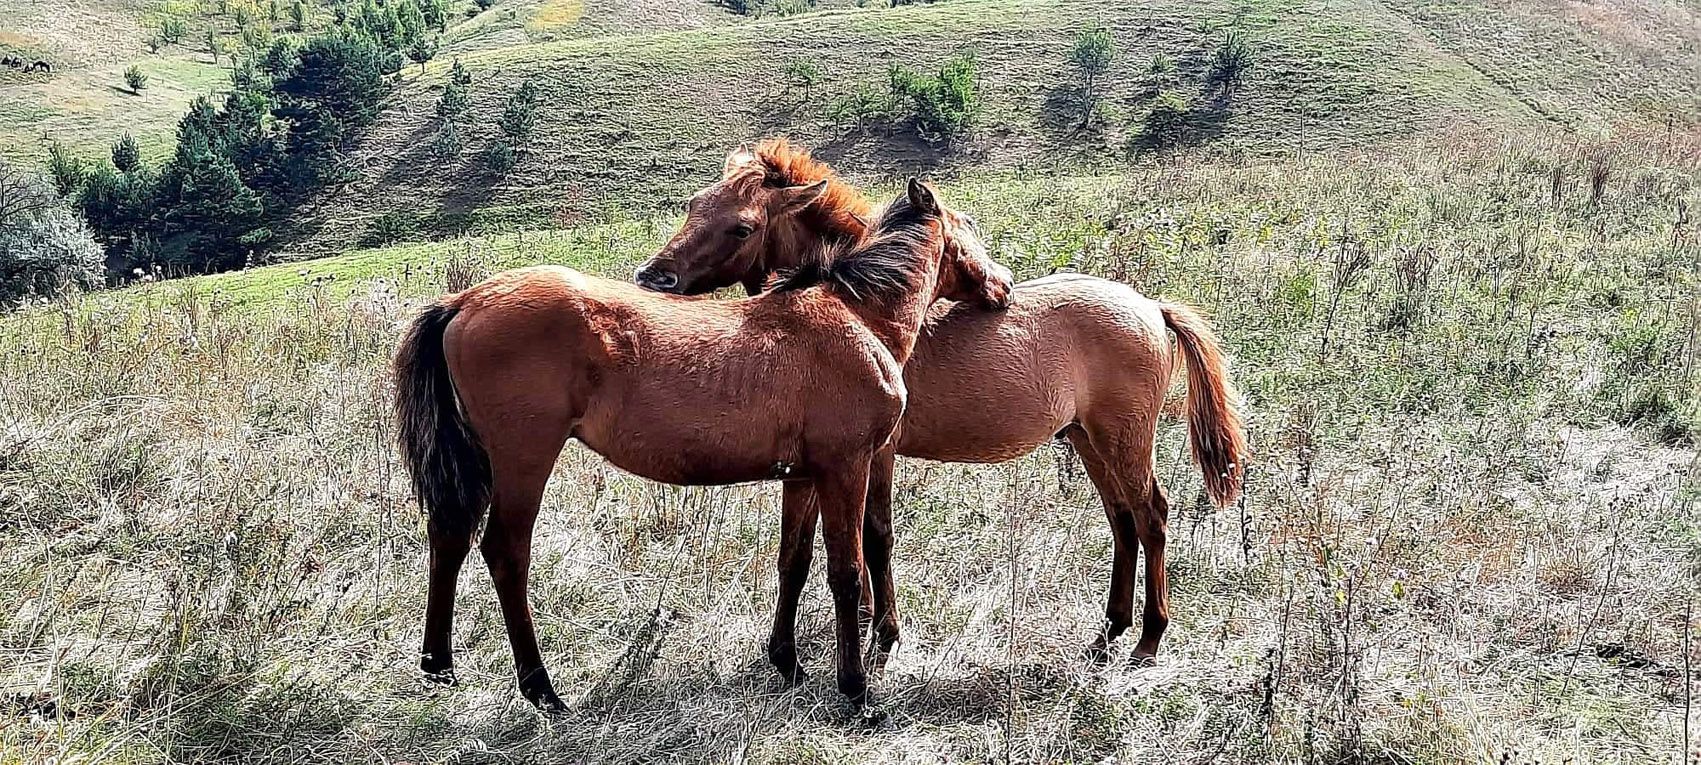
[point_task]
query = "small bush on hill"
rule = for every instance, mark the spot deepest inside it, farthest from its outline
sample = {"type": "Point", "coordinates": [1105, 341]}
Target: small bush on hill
{"type": "Point", "coordinates": [803, 75]}
{"type": "Point", "coordinates": [66, 171]}
{"type": "Point", "coordinates": [391, 227]}
{"type": "Point", "coordinates": [454, 101]}
{"type": "Point", "coordinates": [447, 142]}
{"type": "Point", "coordinates": [1091, 58]}
{"type": "Point", "coordinates": [1164, 124]}
{"type": "Point", "coordinates": [134, 78]}
{"type": "Point", "coordinates": [520, 113]}
{"type": "Point", "coordinates": [421, 51]}
{"type": "Point", "coordinates": [1229, 63]}
{"type": "Point", "coordinates": [172, 30]}
{"type": "Point", "coordinates": [518, 118]}
{"type": "Point", "coordinates": [787, 7]}
{"type": "Point", "coordinates": [865, 105]}
{"type": "Point", "coordinates": [44, 247]}
{"type": "Point", "coordinates": [943, 106]}
{"type": "Point", "coordinates": [499, 157]}
{"type": "Point", "coordinates": [126, 156]}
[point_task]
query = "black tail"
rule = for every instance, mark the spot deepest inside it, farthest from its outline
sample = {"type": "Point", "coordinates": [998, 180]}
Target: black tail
{"type": "Point", "coordinates": [451, 472]}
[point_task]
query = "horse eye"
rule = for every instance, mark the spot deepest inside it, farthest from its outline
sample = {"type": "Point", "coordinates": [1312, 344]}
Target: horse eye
{"type": "Point", "coordinates": [743, 230]}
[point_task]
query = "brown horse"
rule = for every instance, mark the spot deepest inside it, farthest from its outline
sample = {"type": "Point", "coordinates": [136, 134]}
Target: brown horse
{"type": "Point", "coordinates": [1073, 356]}
{"type": "Point", "coordinates": [802, 384]}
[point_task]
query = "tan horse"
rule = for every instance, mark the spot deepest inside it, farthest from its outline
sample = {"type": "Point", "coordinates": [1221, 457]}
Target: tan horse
{"type": "Point", "coordinates": [802, 384]}
{"type": "Point", "coordinates": [1076, 356]}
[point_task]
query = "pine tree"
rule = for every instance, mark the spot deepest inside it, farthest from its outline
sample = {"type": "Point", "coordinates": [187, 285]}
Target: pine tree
{"type": "Point", "coordinates": [520, 114]}
{"type": "Point", "coordinates": [421, 51]}
{"type": "Point", "coordinates": [125, 154]}
{"type": "Point", "coordinates": [135, 79]}
{"type": "Point", "coordinates": [67, 170]}
{"type": "Point", "coordinates": [454, 101]}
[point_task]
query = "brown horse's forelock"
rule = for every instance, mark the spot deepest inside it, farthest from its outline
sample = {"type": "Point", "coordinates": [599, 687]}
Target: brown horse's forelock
{"type": "Point", "coordinates": [883, 268]}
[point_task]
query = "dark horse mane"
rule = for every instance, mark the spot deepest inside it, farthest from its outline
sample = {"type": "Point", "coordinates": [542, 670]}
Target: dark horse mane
{"type": "Point", "coordinates": [884, 267]}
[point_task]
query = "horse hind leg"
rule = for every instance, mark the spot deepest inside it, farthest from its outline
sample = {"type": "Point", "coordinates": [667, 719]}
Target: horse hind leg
{"type": "Point", "coordinates": [1152, 524]}
{"type": "Point", "coordinates": [507, 550]}
{"type": "Point", "coordinates": [879, 593]}
{"type": "Point", "coordinates": [1119, 606]}
{"type": "Point", "coordinates": [448, 552]}
{"type": "Point", "coordinates": [521, 464]}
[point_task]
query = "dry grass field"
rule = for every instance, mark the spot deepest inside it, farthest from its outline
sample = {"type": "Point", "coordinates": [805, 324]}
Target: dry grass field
{"type": "Point", "coordinates": [1469, 535]}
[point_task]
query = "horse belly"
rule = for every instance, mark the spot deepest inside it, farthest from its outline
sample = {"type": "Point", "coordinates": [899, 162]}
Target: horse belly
{"type": "Point", "coordinates": [687, 456]}
{"type": "Point", "coordinates": [980, 414]}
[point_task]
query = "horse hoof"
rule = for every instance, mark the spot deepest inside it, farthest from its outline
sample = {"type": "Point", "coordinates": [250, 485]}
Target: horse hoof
{"type": "Point", "coordinates": [855, 689]}
{"type": "Point", "coordinates": [1145, 659]}
{"type": "Point", "coordinates": [444, 677]}
{"type": "Point", "coordinates": [792, 675]}
{"type": "Point", "coordinates": [537, 689]}
{"type": "Point", "coordinates": [785, 662]}
{"type": "Point", "coordinates": [1098, 654]}
{"type": "Point", "coordinates": [871, 720]}
{"type": "Point", "coordinates": [438, 670]}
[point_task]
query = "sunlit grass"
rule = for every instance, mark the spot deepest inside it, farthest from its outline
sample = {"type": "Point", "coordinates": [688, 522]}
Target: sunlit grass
{"type": "Point", "coordinates": [1462, 536]}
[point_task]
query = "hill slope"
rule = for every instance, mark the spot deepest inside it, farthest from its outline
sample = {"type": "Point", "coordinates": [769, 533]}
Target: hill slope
{"type": "Point", "coordinates": [83, 102]}
{"type": "Point", "coordinates": [633, 121]}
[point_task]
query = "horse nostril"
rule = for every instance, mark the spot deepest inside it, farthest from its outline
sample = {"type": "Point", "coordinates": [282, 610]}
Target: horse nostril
{"type": "Point", "coordinates": [656, 279]}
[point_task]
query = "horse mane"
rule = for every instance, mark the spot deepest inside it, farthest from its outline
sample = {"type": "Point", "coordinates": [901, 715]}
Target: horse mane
{"type": "Point", "coordinates": [841, 214]}
{"type": "Point", "coordinates": [883, 268]}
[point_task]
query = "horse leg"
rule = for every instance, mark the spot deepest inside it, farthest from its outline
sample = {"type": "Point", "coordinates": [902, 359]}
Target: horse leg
{"type": "Point", "coordinates": [877, 541]}
{"type": "Point", "coordinates": [1153, 526]}
{"type": "Point", "coordinates": [1119, 607]}
{"type": "Point", "coordinates": [842, 495]}
{"type": "Point", "coordinates": [797, 548]}
{"type": "Point", "coordinates": [436, 657]}
{"type": "Point", "coordinates": [507, 550]}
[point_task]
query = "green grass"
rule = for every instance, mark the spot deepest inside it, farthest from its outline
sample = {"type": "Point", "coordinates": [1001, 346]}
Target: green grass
{"type": "Point", "coordinates": [1455, 544]}
{"type": "Point", "coordinates": [630, 122]}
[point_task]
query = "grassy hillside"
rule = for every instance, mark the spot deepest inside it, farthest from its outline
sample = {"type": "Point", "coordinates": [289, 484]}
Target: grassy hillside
{"type": "Point", "coordinates": [1469, 535]}
{"type": "Point", "coordinates": [84, 102]}
{"type": "Point", "coordinates": [630, 122]}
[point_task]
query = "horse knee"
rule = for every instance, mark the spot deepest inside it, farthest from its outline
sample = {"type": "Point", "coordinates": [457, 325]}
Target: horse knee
{"type": "Point", "coordinates": [506, 564]}
{"type": "Point", "coordinates": [845, 578]}
{"type": "Point", "coordinates": [793, 564]}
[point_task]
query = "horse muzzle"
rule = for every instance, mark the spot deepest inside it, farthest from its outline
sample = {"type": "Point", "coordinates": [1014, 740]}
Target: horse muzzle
{"type": "Point", "coordinates": [658, 280]}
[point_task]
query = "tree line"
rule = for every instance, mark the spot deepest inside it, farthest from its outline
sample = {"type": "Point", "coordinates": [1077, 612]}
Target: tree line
{"type": "Point", "coordinates": [239, 168]}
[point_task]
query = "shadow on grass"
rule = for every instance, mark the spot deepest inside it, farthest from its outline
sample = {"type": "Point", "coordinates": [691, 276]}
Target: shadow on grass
{"type": "Point", "coordinates": [1061, 112]}
{"type": "Point", "coordinates": [883, 150]}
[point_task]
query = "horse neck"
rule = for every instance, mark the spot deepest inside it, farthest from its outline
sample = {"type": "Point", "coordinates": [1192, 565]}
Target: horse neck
{"type": "Point", "coordinates": [897, 321]}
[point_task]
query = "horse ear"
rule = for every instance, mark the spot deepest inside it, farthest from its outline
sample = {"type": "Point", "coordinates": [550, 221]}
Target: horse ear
{"type": "Point", "coordinates": [922, 198]}
{"type": "Point", "coordinates": [740, 157]}
{"type": "Point", "coordinates": [794, 198]}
